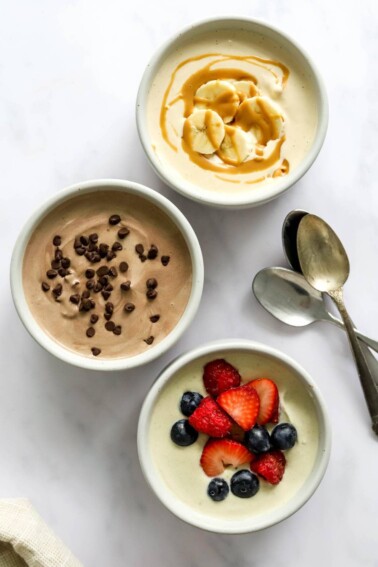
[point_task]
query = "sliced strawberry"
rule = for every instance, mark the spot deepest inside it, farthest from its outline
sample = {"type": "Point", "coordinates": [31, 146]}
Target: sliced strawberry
{"type": "Point", "coordinates": [218, 453]}
{"type": "Point", "coordinates": [219, 376]}
{"type": "Point", "coordinates": [242, 404]}
{"type": "Point", "coordinates": [269, 400]}
{"type": "Point", "coordinates": [209, 418]}
{"type": "Point", "coordinates": [271, 466]}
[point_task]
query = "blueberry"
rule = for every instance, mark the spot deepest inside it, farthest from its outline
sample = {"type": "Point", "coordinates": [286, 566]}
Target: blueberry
{"type": "Point", "coordinates": [284, 436]}
{"type": "Point", "coordinates": [244, 484]}
{"type": "Point", "coordinates": [183, 434]}
{"type": "Point", "coordinates": [218, 489]}
{"type": "Point", "coordinates": [257, 439]}
{"type": "Point", "coordinates": [189, 402]}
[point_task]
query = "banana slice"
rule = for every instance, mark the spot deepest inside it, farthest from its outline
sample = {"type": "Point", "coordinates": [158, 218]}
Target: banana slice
{"type": "Point", "coordinates": [245, 89]}
{"type": "Point", "coordinates": [236, 146]}
{"type": "Point", "coordinates": [220, 96]}
{"type": "Point", "coordinates": [261, 116]}
{"type": "Point", "coordinates": [204, 131]}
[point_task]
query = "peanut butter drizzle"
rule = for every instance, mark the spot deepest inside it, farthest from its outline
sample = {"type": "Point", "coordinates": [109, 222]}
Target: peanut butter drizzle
{"type": "Point", "coordinates": [282, 170]}
{"type": "Point", "coordinates": [225, 105]}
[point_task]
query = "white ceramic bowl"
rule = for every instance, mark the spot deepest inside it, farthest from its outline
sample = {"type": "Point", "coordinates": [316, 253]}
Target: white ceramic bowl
{"type": "Point", "coordinates": [97, 363]}
{"type": "Point", "coordinates": [257, 195]}
{"type": "Point", "coordinates": [267, 359]}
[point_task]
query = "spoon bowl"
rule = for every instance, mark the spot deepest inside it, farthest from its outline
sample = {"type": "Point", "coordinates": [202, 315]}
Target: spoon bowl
{"type": "Point", "coordinates": [289, 237]}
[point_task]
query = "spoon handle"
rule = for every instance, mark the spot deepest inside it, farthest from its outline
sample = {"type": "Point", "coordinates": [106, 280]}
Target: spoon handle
{"type": "Point", "coordinates": [367, 340]}
{"type": "Point", "coordinates": [369, 386]}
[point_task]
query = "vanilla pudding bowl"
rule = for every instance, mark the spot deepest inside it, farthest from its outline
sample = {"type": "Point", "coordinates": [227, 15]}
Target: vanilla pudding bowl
{"type": "Point", "coordinates": [174, 472]}
{"type": "Point", "coordinates": [107, 275]}
{"type": "Point", "coordinates": [231, 112]}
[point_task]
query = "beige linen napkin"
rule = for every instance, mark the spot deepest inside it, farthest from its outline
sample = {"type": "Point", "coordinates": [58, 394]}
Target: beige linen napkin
{"type": "Point", "coordinates": [26, 541]}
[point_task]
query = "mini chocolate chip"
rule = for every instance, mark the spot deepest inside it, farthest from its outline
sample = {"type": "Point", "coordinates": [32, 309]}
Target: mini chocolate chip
{"type": "Point", "coordinates": [75, 298]}
{"type": "Point", "coordinates": [103, 250]}
{"type": "Point", "coordinates": [142, 257]}
{"type": "Point", "coordinates": [93, 305]}
{"type": "Point", "coordinates": [111, 255]}
{"type": "Point", "coordinates": [45, 286]}
{"type": "Point", "coordinates": [109, 307]}
{"type": "Point", "coordinates": [105, 294]}
{"type": "Point", "coordinates": [109, 287]}
{"type": "Point", "coordinates": [84, 240]}
{"type": "Point", "coordinates": [165, 260]}
{"type": "Point", "coordinates": [151, 283]}
{"type": "Point", "coordinates": [77, 243]}
{"type": "Point", "coordinates": [149, 341]}
{"type": "Point", "coordinates": [85, 295]}
{"type": "Point", "coordinates": [123, 267]}
{"type": "Point", "coordinates": [93, 237]}
{"type": "Point", "coordinates": [51, 274]}
{"type": "Point", "coordinates": [151, 294]}
{"type": "Point", "coordinates": [102, 271]}
{"type": "Point", "coordinates": [96, 351]}
{"type": "Point", "coordinates": [109, 325]}
{"type": "Point", "coordinates": [139, 248]}
{"type": "Point", "coordinates": [57, 240]}
{"type": "Point", "coordinates": [94, 318]}
{"type": "Point", "coordinates": [114, 219]}
{"type": "Point", "coordinates": [80, 251]}
{"type": "Point", "coordinates": [66, 263]}
{"type": "Point", "coordinates": [88, 255]}
{"type": "Point", "coordinates": [62, 272]}
{"type": "Point", "coordinates": [108, 316]}
{"type": "Point", "coordinates": [98, 287]}
{"type": "Point", "coordinates": [96, 258]}
{"type": "Point", "coordinates": [117, 246]}
{"type": "Point", "coordinates": [55, 264]}
{"type": "Point", "coordinates": [117, 330]}
{"type": "Point", "coordinates": [104, 280]}
{"type": "Point", "coordinates": [153, 252]}
{"type": "Point", "coordinates": [154, 318]}
{"type": "Point", "coordinates": [90, 284]}
{"type": "Point", "coordinates": [123, 232]}
{"type": "Point", "coordinates": [125, 286]}
{"type": "Point", "coordinates": [86, 304]}
{"type": "Point", "coordinates": [90, 332]}
{"type": "Point", "coordinates": [113, 272]}
{"type": "Point", "coordinates": [129, 307]}
{"type": "Point", "coordinates": [58, 290]}
{"type": "Point", "coordinates": [89, 273]}
{"type": "Point", "coordinates": [92, 247]}
{"type": "Point", "coordinates": [58, 254]}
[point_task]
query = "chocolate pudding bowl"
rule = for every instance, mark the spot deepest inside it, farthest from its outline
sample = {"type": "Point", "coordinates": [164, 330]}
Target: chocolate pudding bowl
{"type": "Point", "coordinates": [107, 275]}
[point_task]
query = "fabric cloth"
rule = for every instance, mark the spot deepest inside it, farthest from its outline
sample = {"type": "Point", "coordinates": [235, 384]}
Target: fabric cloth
{"type": "Point", "coordinates": [26, 541]}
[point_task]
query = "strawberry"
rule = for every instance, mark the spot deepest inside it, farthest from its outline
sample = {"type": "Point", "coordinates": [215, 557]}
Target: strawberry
{"type": "Point", "coordinates": [219, 376]}
{"type": "Point", "coordinates": [210, 419]}
{"type": "Point", "coordinates": [269, 400]}
{"type": "Point", "coordinates": [218, 453]}
{"type": "Point", "coordinates": [242, 404]}
{"type": "Point", "coordinates": [271, 466]}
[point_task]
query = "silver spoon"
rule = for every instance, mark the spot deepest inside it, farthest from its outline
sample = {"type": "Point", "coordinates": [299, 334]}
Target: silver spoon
{"type": "Point", "coordinates": [325, 266]}
{"type": "Point", "coordinates": [289, 298]}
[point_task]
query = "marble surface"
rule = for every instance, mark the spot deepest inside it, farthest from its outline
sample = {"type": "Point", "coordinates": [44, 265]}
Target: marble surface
{"type": "Point", "coordinates": [69, 73]}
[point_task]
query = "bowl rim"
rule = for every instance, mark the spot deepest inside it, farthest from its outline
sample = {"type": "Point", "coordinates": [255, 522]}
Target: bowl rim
{"type": "Point", "coordinates": [55, 348]}
{"type": "Point", "coordinates": [258, 196]}
{"type": "Point", "coordinates": [246, 524]}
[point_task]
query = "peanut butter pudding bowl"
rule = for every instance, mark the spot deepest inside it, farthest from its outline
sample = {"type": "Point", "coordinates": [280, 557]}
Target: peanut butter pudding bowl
{"type": "Point", "coordinates": [107, 275]}
{"type": "Point", "coordinates": [231, 112]}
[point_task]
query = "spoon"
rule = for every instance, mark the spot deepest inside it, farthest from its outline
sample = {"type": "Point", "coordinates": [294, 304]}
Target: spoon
{"type": "Point", "coordinates": [289, 298]}
{"type": "Point", "coordinates": [325, 266]}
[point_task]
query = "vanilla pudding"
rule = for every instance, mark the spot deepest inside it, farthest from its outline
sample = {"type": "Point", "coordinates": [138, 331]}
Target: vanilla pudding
{"type": "Point", "coordinates": [232, 110]}
{"type": "Point", "coordinates": [176, 471]}
{"type": "Point", "coordinates": [107, 274]}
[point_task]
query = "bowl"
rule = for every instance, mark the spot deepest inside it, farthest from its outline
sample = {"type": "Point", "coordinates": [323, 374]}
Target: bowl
{"type": "Point", "coordinates": [88, 188]}
{"type": "Point", "coordinates": [171, 471]}
{"type": "Point", "coordinates": [175, 166]}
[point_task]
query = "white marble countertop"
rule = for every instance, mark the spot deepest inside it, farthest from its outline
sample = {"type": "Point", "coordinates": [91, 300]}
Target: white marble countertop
{"type": "Point", "coordinates": [69, 73]}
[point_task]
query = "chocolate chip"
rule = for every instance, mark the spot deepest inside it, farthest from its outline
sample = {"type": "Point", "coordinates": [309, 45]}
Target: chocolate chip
{"type": "Point", "coordinates": [139, 248]}
{"type": "Point", "coordinates": [98, 287]}
{"type": "Point", "coordinates": [90, 332]}
{"type": "Point", "coordinates": [45, 286]}
{"type": "Point", "coordinates": [105, 294]}
{"type": "Point", "coordinates": [111, 255]}
{"type": "Point", "coordinates": [58, 254]}
{"type": "Point", "coordinates": [86, 305]}
{"type": "Point", "coordinates": [90, 284]}
{"type": "Point", "coordinates": [77, 243]}
{"type": "Point", "coordinates": [108, 316]}
{"type": "Point", "coordinates": [89, 273]}
{"type": "Point", "coordinates": [129, 307]}
{"type": "Point", "coordinates": [84, 240]}
{"type": "Point", "coordinates": [66, 263]}
{"type": "Point", "coordinates": [113, 272]}
{"type": "Point", "coordinates": [109, 287]}
{"type": "Point", "coordinates": [125, 286]}
{"type": "Point", "coordinates": [51, 274]}
{"type": "Point", "coordinates": [151, 283]}
{"type": "Point", "coordinates": [93, 305]}
{"type": "Point", "coordinates": [110, 325]}
{"type": "Point", "coordinates": [93, 237]}
{"type": "Point", "coordinates": [153, 252]}
{"type": "Point", "coordinates": [96, 351]}
{"type": "Point", "coordinates": [57, 240]}
{"type": "Point", "coordinates": [80, 251]}
{"type": "Point", "coordinates": [117, 246]}
{"type": "Point", "coordinates": [123, 267]}
{"type": "Point", "coordinates": [55, 264]}
{"type": "Point", "coordinates": [154, 318]}
{"type": "Point", "coordinates": [109, 307]}
{"type": "Point", "coordinates": [88, 255]}
{"type": "Point", "coordinates": [165, 260]}
{"type": "Point", "coordinates": [104, 280]}
{"type": "Point", "coordinates": [103, 250]}
{"type": "Point", "coordinates": [95, 258]}
{"type": "Point", "coordinates": [123, 232]}
{"type": "Point", "coordinates": [94, 318]}
{"type": "Point", "coordinates": [85, 295]}
{"type": "Point", "coordinates": [151, 294]}
{"type": "Point", "coordinates": [102, 271]}
{"type": "Point", "coordinates": [114, 219]}
{"type": "Point", "coordinates": [75, 299]}
{"type": "Point", "coordinates": [62, 272]}
{"type": "Point", "coordinates": [149, 341]}
{"type": "Point", "coordinates": [92, 247]}
{"type": "Point", "coordinates": [142, 257]}
{"type": "Point", "coordinates": [117, 330]}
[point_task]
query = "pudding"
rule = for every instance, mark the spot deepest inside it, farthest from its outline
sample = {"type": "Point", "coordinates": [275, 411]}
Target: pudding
{"type": "Point", "coordinates": [107, 274]}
